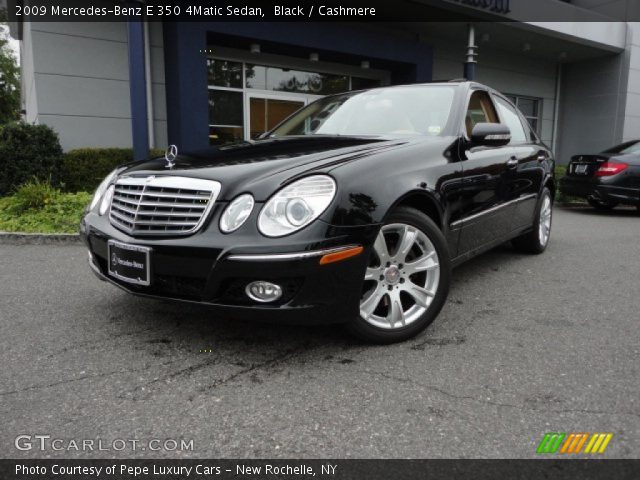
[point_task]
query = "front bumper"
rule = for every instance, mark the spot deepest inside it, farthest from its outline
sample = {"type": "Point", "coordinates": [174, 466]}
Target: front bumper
{"type": "Point", "coordinates": [600, 188]}
{"type": "Point", "coordinates": [213, 269]}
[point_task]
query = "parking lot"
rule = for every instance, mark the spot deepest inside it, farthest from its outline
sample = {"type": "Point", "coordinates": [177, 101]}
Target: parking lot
{"type": "Point", "coordinates": [525, 345]}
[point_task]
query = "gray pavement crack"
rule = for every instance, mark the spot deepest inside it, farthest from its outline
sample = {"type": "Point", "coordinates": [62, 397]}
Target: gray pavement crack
{"type": "Point", "coordinates": [101, 341]}
{"type": "Point", "coordinates": [178, 373]}
{"type": "Point", "coordinates": [79, 379]}
{"type": "Point", "coordinates": [283, 357]}
{"type": "Point", "coordinates": [494, 403]}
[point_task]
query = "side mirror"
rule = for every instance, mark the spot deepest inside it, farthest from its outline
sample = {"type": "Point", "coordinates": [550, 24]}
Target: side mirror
{"type": "Point", "coordinates": [490, 134]}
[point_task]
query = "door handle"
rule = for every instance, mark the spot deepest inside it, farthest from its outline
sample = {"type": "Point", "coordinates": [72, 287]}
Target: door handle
{"type": "Point", "coordinates": [512, 162]}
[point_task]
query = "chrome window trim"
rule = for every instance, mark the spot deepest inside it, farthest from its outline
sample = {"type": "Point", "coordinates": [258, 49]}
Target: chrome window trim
{"type": "Point", "coordinates": [254, 257]}
{"type": "Point", "coordinates": [457, 223]}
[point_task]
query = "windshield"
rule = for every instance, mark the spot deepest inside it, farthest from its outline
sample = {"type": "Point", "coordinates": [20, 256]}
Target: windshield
{"type": "Point", "coordinates": [626, 148]}
{"type": "Point", "coordinates": [419, 110]}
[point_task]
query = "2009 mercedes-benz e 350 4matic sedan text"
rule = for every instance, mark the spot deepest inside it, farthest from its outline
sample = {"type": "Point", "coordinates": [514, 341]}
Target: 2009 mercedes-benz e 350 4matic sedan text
{"type": "Point", "coordinates": [353, 210]}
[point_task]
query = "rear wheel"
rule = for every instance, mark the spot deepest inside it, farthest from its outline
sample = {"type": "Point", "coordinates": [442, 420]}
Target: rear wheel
{"type": "Point", "coordinates": [537, 239]}
{"type": "Point", "coordinates": [602, 205]}
{"type": "Point", "coordinates": [407, 280]}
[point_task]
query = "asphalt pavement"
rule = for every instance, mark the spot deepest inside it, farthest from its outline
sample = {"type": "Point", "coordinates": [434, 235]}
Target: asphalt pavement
{"type": "Point", "coordinates": [525, 345]}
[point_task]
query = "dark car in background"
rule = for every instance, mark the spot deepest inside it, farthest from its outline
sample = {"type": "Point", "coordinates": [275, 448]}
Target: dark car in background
{"type": "Point", "coordinates": [352, 210]}
{"type": "Point", "coordinates": [606, 179]}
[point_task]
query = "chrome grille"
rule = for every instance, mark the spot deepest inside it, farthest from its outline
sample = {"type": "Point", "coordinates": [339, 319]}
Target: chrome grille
{"type": "Point", "coordinates": [162, 205]}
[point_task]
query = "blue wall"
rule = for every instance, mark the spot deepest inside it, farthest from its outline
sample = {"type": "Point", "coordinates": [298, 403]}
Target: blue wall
{"type": "Point", "coordinates": [186, 72]}
{"type": "Point", "coordinates": [137, 90]}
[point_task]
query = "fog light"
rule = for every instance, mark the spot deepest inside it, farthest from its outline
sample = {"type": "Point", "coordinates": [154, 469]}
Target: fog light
{"type": "Point", "coordinates": [263, 292]}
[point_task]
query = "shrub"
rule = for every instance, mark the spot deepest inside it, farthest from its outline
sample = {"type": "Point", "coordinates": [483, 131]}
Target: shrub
{"type": "Point", "coordinates": [83, 169]}
{"type": "Point", "coordinates": [61, 215]}
{"type": "Point", "coordinates": [28, 151]}
{"type": "Point", "coordinates": [34, 194]}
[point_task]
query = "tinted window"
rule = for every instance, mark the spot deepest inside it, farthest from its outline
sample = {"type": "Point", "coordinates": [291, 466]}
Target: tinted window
{"type": "Point", "coordinates": [530, 107]}
{"type": "Point", "coordinates": [512, 120]}
{"type": "Point", "coordinates": [625, 148]}
{"type": "Point", "coordinates": [480, 110]}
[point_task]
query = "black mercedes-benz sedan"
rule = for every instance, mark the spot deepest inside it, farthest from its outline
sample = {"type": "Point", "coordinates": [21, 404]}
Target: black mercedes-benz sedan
{"type": "Point", "coordinates": [606, 179]}
{"type": "Point", "coordinates": [353, 210]}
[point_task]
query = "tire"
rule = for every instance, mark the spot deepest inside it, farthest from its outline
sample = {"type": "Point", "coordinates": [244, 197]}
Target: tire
{"type": "Point", "coordinates": [535, 241]}
{"type": "Point", "coordinates": [602, 206]}
{"type": "Point", "coordinates": [413, 279]}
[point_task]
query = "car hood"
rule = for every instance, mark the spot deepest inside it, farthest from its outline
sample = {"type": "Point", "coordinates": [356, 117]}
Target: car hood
{"type": "Point", "coordinates": [263, 166]}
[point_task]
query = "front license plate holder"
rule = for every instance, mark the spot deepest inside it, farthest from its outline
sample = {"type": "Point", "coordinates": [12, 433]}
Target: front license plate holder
{"type": "Point", "coordinates": [129, 263]}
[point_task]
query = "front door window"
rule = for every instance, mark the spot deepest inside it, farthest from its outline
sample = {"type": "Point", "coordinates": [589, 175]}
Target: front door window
{"type": "Point", "coordinates": [480, 110]}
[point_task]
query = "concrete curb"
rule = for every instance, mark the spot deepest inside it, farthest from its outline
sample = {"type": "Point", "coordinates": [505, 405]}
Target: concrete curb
{"type": "Point", "coordinates": [572, 205]}
{"type": "Point", "coordinates": [11, 238]}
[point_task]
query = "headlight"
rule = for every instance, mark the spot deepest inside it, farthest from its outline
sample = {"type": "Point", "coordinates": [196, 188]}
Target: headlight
{"type": "Point", "coordinates": [102, 188]}
{"type": "Point", "coordinates": [106, 200]}
{"type": "Point", "coordinates": [236, 213]}
{"type": "Point", "coordinates": [296, 206]}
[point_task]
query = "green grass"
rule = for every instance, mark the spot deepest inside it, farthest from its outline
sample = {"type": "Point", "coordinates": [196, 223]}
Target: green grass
{"type": "Point", "coordinates": [42, 211]}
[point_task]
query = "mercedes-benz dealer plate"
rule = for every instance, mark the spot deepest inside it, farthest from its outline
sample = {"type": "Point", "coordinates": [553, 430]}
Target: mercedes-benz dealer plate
{"type": "Point", "coordinates": [129, 263]}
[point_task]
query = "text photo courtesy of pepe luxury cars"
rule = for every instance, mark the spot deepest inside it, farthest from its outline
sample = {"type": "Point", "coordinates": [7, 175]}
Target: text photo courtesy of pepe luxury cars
{"type": "Point", "coordinates": [363, 237]}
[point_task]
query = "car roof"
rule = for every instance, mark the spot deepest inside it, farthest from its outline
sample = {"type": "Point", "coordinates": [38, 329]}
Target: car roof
{"type": "Point", "coordinates": [456, 82]}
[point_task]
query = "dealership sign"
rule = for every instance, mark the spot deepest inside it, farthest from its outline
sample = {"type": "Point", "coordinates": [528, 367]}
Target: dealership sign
{"type": "Point", "coordinates": [496, 6]}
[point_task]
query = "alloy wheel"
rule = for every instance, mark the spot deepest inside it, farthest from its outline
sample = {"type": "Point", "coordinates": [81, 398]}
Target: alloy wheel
{"type": "Point", "coordinates": [544, 229]}
{"type": "Point", "coordinates": [402, 277]}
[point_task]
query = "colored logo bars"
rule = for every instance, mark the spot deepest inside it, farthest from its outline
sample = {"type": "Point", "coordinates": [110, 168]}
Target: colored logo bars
{"type": "Point", "coordinates": [574, 443]}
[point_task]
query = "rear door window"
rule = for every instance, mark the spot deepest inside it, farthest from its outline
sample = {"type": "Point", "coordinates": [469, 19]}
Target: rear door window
{"type": "Point", "coordinates": [511, 119]}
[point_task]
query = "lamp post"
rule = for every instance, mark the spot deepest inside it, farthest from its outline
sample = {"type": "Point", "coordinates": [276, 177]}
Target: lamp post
{"type": "Point", "coordinates": [472, 53]}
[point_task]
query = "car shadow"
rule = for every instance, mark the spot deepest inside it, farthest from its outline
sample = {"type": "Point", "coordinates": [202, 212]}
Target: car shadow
{"type": "Point", "coordinates": [203, 326]}
{"type": "Point", "coordinates": [194, 344]}
{"type": "Point", "coordinates": [624, 211]}
{"type": "Point", "coordinates": [200, 327]}
{"type": "Point", "coordinates": [493, 260]}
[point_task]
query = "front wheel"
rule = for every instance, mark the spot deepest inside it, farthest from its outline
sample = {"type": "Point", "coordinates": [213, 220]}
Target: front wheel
{"type": "Point", "coordinates": [537, 239]}
{"type": "Point", "coordinates": [407, 280]}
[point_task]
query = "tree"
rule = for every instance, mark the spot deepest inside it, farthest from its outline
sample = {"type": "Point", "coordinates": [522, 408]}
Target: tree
{"type": "Point", "coordinates": [9, 77]}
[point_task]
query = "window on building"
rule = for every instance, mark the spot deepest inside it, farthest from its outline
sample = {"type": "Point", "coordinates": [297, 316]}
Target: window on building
{"type": "Point", "coordinates": [295, 81]}
{"type": "Point", "coordinates": [531, 109]}
{"type": "Point", "coordinates": [226, 103]}
{"type": "Point", "coordinates": [246, 99]}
